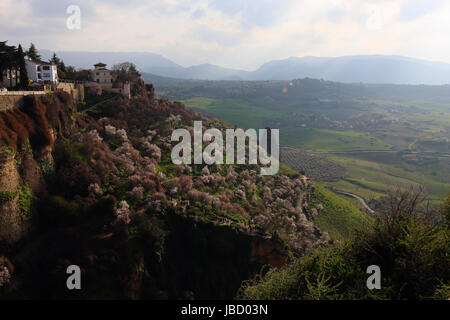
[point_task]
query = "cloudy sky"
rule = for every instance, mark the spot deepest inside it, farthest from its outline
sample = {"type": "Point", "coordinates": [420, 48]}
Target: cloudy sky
{"type": "Point", "coordinates": [235, 33]}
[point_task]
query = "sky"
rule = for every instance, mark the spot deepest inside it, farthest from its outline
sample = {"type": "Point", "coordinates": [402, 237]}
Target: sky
{"type": "Point", "coordinates": [241, 34]}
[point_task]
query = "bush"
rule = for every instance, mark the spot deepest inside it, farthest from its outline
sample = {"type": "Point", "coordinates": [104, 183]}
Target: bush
{"type": "Point", "coordinates": [6, 196]}
{"type": "Point", "coordinates": [408, 243]}
{"type": "Point", "coordinates": [25, 202]}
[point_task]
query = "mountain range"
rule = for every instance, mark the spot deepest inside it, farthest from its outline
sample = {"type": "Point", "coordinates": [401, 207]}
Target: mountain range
{"type": "Point", "coordinates": [363, 68]}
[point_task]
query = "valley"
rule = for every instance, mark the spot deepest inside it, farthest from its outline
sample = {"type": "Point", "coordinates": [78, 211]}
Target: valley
{"type": "Point", "coordinates": [355, 138]}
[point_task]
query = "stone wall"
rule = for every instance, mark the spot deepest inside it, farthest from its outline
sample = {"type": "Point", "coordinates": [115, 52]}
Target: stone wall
{"type": "Point", "coordinates": [14, 99]}
{"type": "Point", "coordinates": [76, 90]}
{"type": "Point", "coordinates": [10, 102]}
{"type": "Point", "coordinates": [20, 93]}
{"type": "Point", "coordinates": [125, 90]}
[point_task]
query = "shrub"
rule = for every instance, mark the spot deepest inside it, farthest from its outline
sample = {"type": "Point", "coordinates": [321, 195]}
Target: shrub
{"type": "Point", "coordinates": [6, 196]}
{"type": "Point", "coordinates": [25, 202]}
{"type": "Point", "coordinates": [407, 242]}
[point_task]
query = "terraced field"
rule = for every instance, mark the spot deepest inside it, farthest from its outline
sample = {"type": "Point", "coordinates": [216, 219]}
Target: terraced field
{"type": "Point", "coordinates": [316, 166]}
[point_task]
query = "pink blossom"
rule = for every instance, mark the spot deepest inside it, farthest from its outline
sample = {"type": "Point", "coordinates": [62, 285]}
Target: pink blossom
{"type": "Point", "coordinates": [137, 193]}
{"type": "Point", "coordinates": [122, 212]}
{"type": "Point", "coordinates": [5, 275]}
{"type": "Point", "coordinates": [110, 130]}
{"type": "Point", "coordinates": [122, 135]}
{"type": "Point", "coordinates": [94, 134]}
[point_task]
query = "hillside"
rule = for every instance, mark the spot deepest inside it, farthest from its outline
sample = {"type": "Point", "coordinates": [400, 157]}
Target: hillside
{"type": "Point", "coordinates": [357, 138]}
{"type": "Point", "coordinates": [98, 189]}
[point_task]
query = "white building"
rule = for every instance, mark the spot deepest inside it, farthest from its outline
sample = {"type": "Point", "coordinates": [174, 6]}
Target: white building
{"type": "Point", "coordinates": [40, 71]}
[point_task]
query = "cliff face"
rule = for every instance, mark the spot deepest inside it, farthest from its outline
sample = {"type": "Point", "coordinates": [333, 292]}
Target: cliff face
{"type": "Point", "coordinates": [27, 136]}
{"type": "Point", "coordinates": [11, 229]}
{"type": "Point", "coordinates": [99, 190]}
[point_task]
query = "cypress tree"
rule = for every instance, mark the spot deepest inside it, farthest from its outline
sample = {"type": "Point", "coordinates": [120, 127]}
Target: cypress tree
{"type": "Point", "coordinates": [24, 81]}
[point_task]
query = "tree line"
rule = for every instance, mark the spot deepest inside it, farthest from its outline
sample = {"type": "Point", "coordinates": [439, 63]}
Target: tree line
{"type": "Point", "coordinates": [12, 64]}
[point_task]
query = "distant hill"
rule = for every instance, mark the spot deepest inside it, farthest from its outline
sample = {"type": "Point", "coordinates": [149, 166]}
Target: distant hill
{"type": "Point", "coordinates": [353, 69]}
{"type": "Point", "coordinates": [368, 69]}
{"type": "Point", "coordinates": [202, 72]}
{"type": "Point", "coordinates": [155, 79]}
{"type": "Point", "coordinates": [85, 59]}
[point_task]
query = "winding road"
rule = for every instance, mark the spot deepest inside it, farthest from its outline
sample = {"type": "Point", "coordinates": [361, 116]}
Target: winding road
{"type": "Point", "coordinates": [363, 202]}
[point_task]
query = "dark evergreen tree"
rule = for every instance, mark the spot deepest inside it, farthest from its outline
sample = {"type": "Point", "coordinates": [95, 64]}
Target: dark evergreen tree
{"type": "Point", "coordinates": [3, 58]}
{"type": "Point", "coordinates": [24, 81]}
{"type": "Point", "coordinates": [8, 61]}
{"type": "Point", "coordinates": [33, 53]}
{"type": "Point", "coordinates": [61, 67]}
{"type": "Point", "coordinates": [55, 59]}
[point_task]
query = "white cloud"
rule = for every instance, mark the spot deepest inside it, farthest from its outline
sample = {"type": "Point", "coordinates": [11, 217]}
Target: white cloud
{"type": "Point", "coordinates": [240, 34]}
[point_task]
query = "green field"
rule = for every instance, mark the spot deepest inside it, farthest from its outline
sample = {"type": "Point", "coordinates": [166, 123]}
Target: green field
{"type": "Point", "coordinates": [330, 140]}
{"type": "Point", "coordinates": [347, 186]}
{"type": "Point", "coordinates": [234, 112]}
{"type": "Point", "coordinates": [339, 216]}
{"type": "Point", "coordinates": [245, 115]}
{"type": "Point", "coordinates": [370, 175]}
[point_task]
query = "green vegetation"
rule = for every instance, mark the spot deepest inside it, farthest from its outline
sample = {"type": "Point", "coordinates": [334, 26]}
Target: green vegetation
{"type": "Point", "coordinates": [339, 217]}
{"type": "Point", "coordinates": [347, 186]}
{"type": "Point", "coordinates": [10, 150]}
{"type": "Point", "coordinates": [6, 196]}
{"type": "Point", "coordinates": [93, 102]}
{"type": "Point", "coordinates": [169, 169]}
{"type": "Point", "coordinates": [330, 140]}
{"type": "Point", "coordinates": [288, 171]}
{"type": "Point", "coordinates": [408, 244]}
{"type": "Point", "coordinates": [407, 125]}
{"type": "Point", "coordinates": [77, 151]}
{"type": "Point", "coordinates": [25, 202]}
{"type": "Point", "coordinates": [234, 112]}
{"type": "Point", "coordinates": [27, 147]}
{"type": "Point", "coordinates": [370, 179]}
{"type": "Point", "coordinates": [12, 60]}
